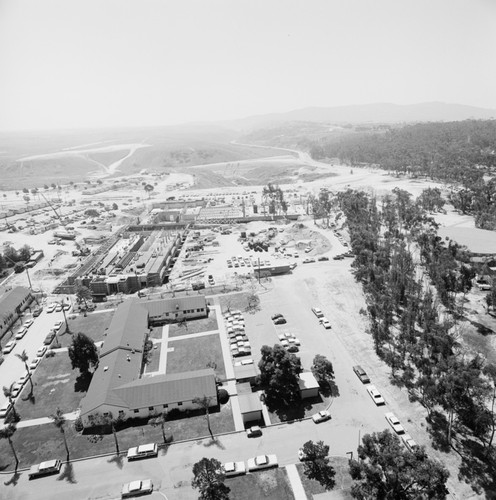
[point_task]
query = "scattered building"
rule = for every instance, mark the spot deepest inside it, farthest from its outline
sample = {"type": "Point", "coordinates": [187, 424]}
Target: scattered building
{"type": "Point", "coordinates": [309, 387]}
{"type": "Point", "coordinates": [250, 406]}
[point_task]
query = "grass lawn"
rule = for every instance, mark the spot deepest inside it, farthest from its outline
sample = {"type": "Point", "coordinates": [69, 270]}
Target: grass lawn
{"type": "Point", "coordinates": [156, 332]}
{"type": "Point", "coordinates": [154, 358]}
{"type": "Point", "coordinates": [272, 483]}
{"type": "Point", "coordinates": [194, 326]}
{"type": "Point", "coordinates": [42, 442]}
{"type": "Point", "coordinates": [306, 408]}
{"type": "Point", "coordinates": [194, 354]}
{"type": "Point", "coordinates": [93, 325]}
{"type": "Point", "coordinates": [342, 478]}
{"type": "Point", "coordinates": [55, 385]}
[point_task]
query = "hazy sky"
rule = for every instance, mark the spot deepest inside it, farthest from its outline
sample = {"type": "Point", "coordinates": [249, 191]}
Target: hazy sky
{"type": "Point", "coordinates": [75, 63]}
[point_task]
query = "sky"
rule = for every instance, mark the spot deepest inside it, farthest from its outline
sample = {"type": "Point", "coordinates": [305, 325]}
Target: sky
{"type": "Point", "coordinates": [101, 63]}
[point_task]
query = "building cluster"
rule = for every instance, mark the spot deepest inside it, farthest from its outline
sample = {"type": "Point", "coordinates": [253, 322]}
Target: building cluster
{"type": "Point", "coordinates": [118, 386]}
{"type": "Point", "coordinates": [126, 265]}
{"type": "Point", "coordinates": [12, 305]}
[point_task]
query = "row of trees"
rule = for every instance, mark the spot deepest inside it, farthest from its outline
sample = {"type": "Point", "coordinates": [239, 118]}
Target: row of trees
{"type": "Point", "coordinates": [414, 329]}
{"type": "Point", "coordinates": [12, 256]}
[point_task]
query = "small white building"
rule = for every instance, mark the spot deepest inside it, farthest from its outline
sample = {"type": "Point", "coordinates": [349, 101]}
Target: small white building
{"type": "Point", "coordinates": [309, 387]}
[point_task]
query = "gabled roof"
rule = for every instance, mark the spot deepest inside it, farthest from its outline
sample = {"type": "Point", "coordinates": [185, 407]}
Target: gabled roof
{"type": "Point", "coordinates": [12, 299]}
{"type": "Point", "coordinates": [159, 307]}
{"type": "Point", "coordinates": [166, 389]}
{"type": "Point", "coordinates": [127, 329]}
{"type": "Point", "coordinates": [117, 368]}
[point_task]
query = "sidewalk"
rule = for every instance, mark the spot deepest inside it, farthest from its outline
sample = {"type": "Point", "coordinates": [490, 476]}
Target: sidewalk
{"type": "Point", "coordinates": [295, 481]}
{"type": "Point", "coordinates": [46, 420]}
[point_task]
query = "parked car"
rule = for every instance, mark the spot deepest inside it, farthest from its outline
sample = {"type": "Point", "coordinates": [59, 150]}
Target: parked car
{"type": "Point", "coordinates": [20, 334]}
{"type": "Point", "coordinates": [41, 351]}
{"type": "Point", "coordinates": [137, 488]}
{"type": "Point", "coordinates": [58, 308]}
{"type": "Point", "coordinates": [234, 469]}
{"type": "Point", "coordinates": [37, 311]}
{"type": "Point", "coordinates": [308, 260]}
{"type": "Point", "coordinates": [262, 462]}
{"type": "Point", "coordinates": [394, 423]}
{"type": "Point", "coordinates": [280, 321]}
{"type": "Point", "coordinates": [325, 323]}
{"type": "Point", "coordinates": [49, 338]}
{"type": "Point", "coordinates": [45, 468]}
{"type": "Point", "coordinates": [409, 442]}
{"type": "Point", "coordinates": [317, 312]}
{"type": "Point", "coordinates": [254, 431]}
{"type": "Point", "coordinates": [8, 346]}
{"type": "Point", "coordinates": [292, 348]}
{"type": "Point", "coordinates": [51, 308]}
{"type": "Point", "coordinates": [361, 374]}
{"type": "Point", "coordinates": [375, 395]}
{"type": "Point", "coordinates": [277, 315]}
{"type": "Point", "coordinates": [142, 451]}
{"type": "Point", "coordinates": [57, 325]}
{"type": "Point", "coordinates": [321, 416]}
{"type": "Point", "coordinates": [16, 389]}
{"type": "Point", "coordinates": [28, 323]}
{"type": "Point", "coordinates": [5, 409]}
{"type": "Point", "coordinates": [34, 363]}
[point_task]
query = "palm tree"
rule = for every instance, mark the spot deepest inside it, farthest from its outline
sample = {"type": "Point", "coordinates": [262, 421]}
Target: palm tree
{"type": "Point", "coordinates": [8, 392]}
{"type": "Point", "coordinates": [24, 358]}
{"type": "Point", "coordinates": [204, 402]}
{"type": "Point", "coordinates": [160, 420]}
{"type": "Point", "coordinates": [83, 293]}
{"type": "Point", "coordinates": [6, 433]}
{"type": "Point", "coordinates": [59, 422]}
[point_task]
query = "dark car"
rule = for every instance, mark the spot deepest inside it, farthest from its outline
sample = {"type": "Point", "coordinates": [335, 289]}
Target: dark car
{"type": "Point", "coordinates": [279, 321]}
{"type": "Point", "coordinates": [275, 316]}
{"type": "Point", "coordinates": [322, 258]}
{"type": "Point", "coordinates": [361, 374]}
{"type": "Point", "coordinates": [292, 348]}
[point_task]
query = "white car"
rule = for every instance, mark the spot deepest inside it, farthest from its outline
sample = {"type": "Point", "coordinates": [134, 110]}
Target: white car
{"type": "Point", "coordinates": [394, 423]}
{"type": "Point", "coordinates": [57, 325]}
{"type": "Point", "coordinates": [375, 395]}
{"type": "Point", "coordinates": [142, 451]}
{"type": "Point", "coordinates": [136, 488]}
{"type": "Point", "coordinates": [45, 468]}
{"type": "Point", "coordinates": [284, 343]}
{"type": "Point", "coordinates": [28, 323]}
{"type": "Point", "coordinates": [16, 389]}
{"type": "Point", "coordinates": [51, 308]}
{"type": "Point", "coordinates": [41, 351]}
{"type": "Point", "coordinates": [294, 341]}
{"type": "Point", "coordinates": [24, 378]}
{"type": "Point", "coordinates": [234, 469]}
{"type": "Point", "coordinates": [8, 347]}
{"type": "Point", "coordinates": [262, 462]}
{"type": "Point", "coordinates": [20, 334]}
{"type": "Point", "coordinates": [34, 363]}
{"type": "Point", "coordinates": [409, 442]}
{"type": "Point", "coordinates": [325, 323]}
{"type": "Point", "coordinates": [321, 416]}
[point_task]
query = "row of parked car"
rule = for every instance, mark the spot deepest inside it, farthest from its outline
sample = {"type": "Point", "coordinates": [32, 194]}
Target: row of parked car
{"type": "Point", "coordinates": [235, 327]}
{"type": "Point", "coordinates": [380, 401]}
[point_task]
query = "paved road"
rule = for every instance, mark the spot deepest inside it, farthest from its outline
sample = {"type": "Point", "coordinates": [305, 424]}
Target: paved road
{"type": "Point", "coordinates": [12, 368]}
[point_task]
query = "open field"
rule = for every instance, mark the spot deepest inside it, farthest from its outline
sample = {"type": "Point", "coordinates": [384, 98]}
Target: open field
{"type": "Point", "coordinates": [194, 354]}
{"type": "Point", "coordinates": [272, 484]}
{"type": "Point", "coordinates": [56, 385]}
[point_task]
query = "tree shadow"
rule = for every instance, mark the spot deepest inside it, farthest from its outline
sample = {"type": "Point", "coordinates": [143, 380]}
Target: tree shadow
{"type": "Point", "coordinates": [482, 329]}
{"type": "Point", "coordinates": [13, 480]}
{"type": "Point", "coordinates": [295, 411]}
{"type": "Point", "coordinates": [117, 460]}
{"type": "Point", "coordinates": [31, 398]}
{"type": "Point", "coordinates": [437, 425]}
{"type": "Point", "coordinates": [214, 442]}
{"type": "Point", "coordinates": [68, 474]}
{"type": "Point", "coordinates": [82, 382]}
{"type": "Point", "coordinates": [330, 389]}
{"type": "Point", "coordinates": [478, 468]}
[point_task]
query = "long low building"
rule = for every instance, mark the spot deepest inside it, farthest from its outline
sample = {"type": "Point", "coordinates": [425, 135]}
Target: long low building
{"type": "Point", "coordinates": [118, 387]}
{"type": "Point", "coordinates": [12, 304]}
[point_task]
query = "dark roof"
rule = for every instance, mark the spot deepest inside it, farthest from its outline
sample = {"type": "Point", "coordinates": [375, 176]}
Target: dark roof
{"type": "Point", "coordinates": [117, 368]}
{"type": "Point", "coordinates": [127, 329]}
{"type": "Point", "coordinates": [13, 299]}
{"type": "Point", "coordinates": [159, 307]}
{"type": "Point", "coordinates": [249, 402]}
{"type": "Point", "coordinates": [165, 389]}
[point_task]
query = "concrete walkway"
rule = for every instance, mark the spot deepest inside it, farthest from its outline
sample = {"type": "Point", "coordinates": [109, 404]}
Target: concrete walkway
{"type": "Point", "coordinates": [236, 410]}
{"type": "Point", "coordinates": [294, 479]}
{"type": "Point", "coordinates": [46, 420]}
{"type": "Point", "coordinates": [193, 335]}
{"type": "Point", "coordinates": [163, 351]}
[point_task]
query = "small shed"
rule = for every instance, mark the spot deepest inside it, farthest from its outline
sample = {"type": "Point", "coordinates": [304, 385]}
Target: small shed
{"type": "Point", "coordinates": [309, 387]}
{"type": "Point", "coordinates": [246, 373]}
{"type": "Point", "coordinates": [250, 406]}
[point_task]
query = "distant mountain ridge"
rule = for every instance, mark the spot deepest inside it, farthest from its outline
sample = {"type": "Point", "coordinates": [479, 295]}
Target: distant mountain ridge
{"type": "Point", "coordinates": [371, 113]}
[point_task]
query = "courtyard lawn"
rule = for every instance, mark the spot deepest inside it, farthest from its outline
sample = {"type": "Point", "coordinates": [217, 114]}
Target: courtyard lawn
{"type": "Point", "coordinates": [272, 484]}
{"type": "Point", "coordinates": [342, 478]}
{"type": "Point", "coordinates": [194, 326]}
{"type": "Point", "coordinates": [43, 442]}
{"type": "Point", "coordinates": [234, 301]}
{"type": "Point", "coordinates": [156, 332]}
{"type": "Point", "coordinates": [154, 358]}
{"type": "Point", "coordinates": [194, 354]}
{"type": "Point", "coordinates": [56, 384]}
{"type": "Point", "coordinates": [93, 325]}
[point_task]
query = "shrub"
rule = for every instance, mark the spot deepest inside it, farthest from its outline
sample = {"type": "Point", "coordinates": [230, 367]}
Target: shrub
{"type": "Point", "coordinates": [223, 396]}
